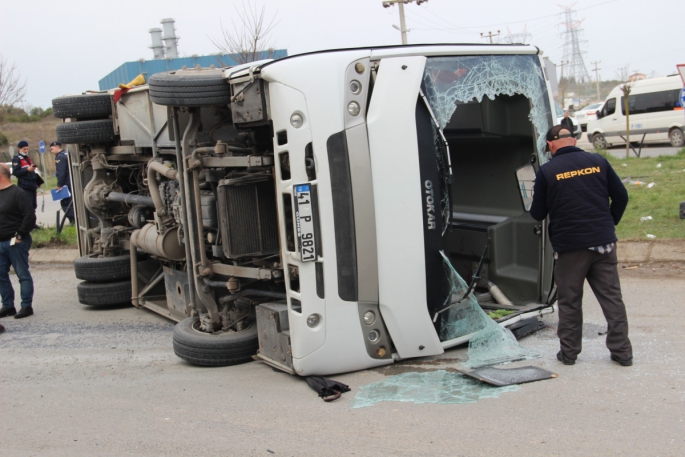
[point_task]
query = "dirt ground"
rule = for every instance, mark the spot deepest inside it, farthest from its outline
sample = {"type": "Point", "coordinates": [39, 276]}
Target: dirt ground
{"type": "Point", "coordinates": [101, 382]}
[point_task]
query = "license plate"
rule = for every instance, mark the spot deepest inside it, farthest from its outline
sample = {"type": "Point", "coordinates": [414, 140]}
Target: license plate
{"type": "Point", "coordinates": [304, 220]}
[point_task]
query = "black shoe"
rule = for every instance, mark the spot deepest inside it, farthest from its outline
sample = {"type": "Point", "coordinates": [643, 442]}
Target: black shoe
{"type": "Point", "coordinates": [4, 312]}
{"type": "Point", "coordinates": [25, 311]}
{"type": "Point", "coordinates": [623, 363]}
{"type": "Point", "coordinates": [565, 360]}
{"type": "Point", "coordinates": [2, 328]}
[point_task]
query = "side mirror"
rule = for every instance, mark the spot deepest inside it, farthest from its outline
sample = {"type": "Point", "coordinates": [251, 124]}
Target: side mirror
{"type": "Point", "coordinates": [600, 113]}
{"type": "Point", "coordinates": [526, 179]}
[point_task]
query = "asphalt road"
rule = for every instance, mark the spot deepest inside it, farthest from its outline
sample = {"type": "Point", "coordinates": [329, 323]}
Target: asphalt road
{"type": "Point", "coordinates": [77, 381]}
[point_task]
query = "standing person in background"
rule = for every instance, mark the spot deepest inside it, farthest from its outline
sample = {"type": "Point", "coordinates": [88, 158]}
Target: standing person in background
{"type": "Point", "coordinates": [567, 122]}
{"type": "Point", "coordinates": [16, 221]}
{"type": "Point", "coordinates": [62, 167]}
{"type": "Point", "coordinates": [25, 171]}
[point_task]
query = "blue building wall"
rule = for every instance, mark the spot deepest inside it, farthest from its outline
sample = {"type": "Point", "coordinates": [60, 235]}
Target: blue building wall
{"type": "Point", "coordinates": [129, 70]}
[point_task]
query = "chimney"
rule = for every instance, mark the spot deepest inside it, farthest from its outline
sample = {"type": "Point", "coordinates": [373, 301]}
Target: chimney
{"type": "Point", "coordinates": [170, 39]}
{"type": "Point", "coordinates": [157, 45]}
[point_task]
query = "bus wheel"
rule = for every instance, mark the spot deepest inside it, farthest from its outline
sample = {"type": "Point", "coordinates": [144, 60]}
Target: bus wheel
{"type": "Point", "coordinates": [217, 349]}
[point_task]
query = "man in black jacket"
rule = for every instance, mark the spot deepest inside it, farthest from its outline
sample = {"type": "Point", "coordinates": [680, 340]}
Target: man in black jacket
{"type": "Point", "coordinates": [17, 219]}
{"type": "Point", "coordinates": [62, 171]}
{"type": "Point", "coordinates": [567, 122]}
{"type": "Point", "coordinates": [575, 189]}
{"type": "Point", "coordinates": [25, 171]}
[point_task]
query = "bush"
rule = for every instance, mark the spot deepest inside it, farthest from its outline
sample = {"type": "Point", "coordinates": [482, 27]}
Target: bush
{"type": "Point", "coordinates": [3, 140]}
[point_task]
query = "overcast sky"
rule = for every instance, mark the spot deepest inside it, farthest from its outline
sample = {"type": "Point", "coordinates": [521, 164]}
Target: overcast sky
{"type": "Point", "coordinates": [67, 46]}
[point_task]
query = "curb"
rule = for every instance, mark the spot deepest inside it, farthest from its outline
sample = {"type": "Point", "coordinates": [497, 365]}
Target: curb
{"type": "Point", "coordinates": [627, 252]}
{"type": "Point", "coordinates": [46, 255]}
{"type": "Point", "coordinates": [651, 251]}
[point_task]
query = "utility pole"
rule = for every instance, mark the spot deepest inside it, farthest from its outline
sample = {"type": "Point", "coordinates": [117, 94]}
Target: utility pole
{"type": "Point", "coordinates": [489, 35]}
{"type": "Point", "coordinates": [596, 70]}
{"type": "Point", "coordinates": [562, 83]}
{"type": "Point", "coordinates": [400, 4]}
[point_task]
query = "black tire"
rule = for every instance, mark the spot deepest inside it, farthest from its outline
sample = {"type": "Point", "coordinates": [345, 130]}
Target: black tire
{"type": "Point", "coordinates": [107, 269]}
{"type": "Point", "coordinates": [675, 136]}
{"type": "Point", "coordinates": [599, 142]}
{"type": "Point", "coordinates": [107, 293]}
{"type": "Point", "coordinates": [192, 87]}
{"type": "Point", "coordinates": [90, 106]}
{"type": "Point", "coordinates": [85, 132]}
{"type": "Point", "coordinates": [214, 350]}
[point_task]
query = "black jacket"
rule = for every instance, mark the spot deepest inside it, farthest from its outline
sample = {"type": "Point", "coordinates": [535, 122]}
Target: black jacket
{"type": "Point", "coordinates": [17, 213]}
{"type": "Point", "coordinates": [20, 168]}
{"type": "Point", "coordinates": [574, 188]}
{"type": "Point", "coordinates": [62, 169]}
{"type": "Point", "coordinates": [567, 123]}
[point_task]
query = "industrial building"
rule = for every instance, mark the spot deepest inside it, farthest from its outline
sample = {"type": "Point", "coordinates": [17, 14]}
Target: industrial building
{"type": "Point", "coordinates": [166, 58]}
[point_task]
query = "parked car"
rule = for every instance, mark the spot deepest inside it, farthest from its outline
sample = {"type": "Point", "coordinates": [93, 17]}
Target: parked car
{"type": "Point", "coordinates": [316, 211]}
{"type": "Point", "coordinates": [656, 114]}
{"type": "Point", "coordinates": [586, 114]}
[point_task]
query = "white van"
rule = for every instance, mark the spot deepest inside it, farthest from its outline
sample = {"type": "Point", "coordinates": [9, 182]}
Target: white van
{"type": "Point", "coordinates": [656, 114]}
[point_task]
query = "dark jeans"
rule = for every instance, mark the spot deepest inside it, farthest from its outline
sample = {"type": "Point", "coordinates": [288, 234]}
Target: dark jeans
{"type": "Point", "coordinates": [18, 257]}
{"type": "Point", "coordinates": [570, 271]}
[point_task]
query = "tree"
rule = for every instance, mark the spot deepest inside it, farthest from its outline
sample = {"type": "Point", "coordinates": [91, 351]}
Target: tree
{"type": "Point", "coordinates": [12, 86]}
{"type": "Point", "coordinates": [251, 41]}
{"type": "Point", "coordinates": [626, 107]}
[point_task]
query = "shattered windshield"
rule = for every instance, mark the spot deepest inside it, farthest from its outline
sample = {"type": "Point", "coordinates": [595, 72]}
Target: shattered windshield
{"type": "Point", "coordinates": [451, 80]}
{"type": "Point", "coordinates": [450, 84]}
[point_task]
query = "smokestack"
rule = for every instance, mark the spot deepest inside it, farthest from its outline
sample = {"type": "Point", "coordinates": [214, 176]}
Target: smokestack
{"type": "Point", "coordinates": [170, 39]}
{"type": "Point", "coordinates": [157, 45]}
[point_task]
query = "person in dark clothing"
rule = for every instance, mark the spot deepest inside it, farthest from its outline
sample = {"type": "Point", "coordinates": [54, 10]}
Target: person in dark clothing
{"type": "Point", "coordinates": [62, 169]}
{"type": "Point", "coordinates": [567, 122]}
{"type": "Point", "coordinates": [585, 199]}
{"type": "Point", "coordinates": [25, 171]}
{"type": "Point", "coordinates": [17, 219]}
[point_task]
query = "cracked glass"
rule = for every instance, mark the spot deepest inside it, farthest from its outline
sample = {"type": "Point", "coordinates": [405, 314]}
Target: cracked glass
{"type": "Point", "coordinates": [443, 387]}
{"type": "Point", "coordinates": [490, 343]}
{"type": "Point", "coordinates": [461, 79]}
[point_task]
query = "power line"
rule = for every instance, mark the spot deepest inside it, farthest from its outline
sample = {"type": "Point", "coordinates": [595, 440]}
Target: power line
{"type": "Point", "coordinates": [453, 27]}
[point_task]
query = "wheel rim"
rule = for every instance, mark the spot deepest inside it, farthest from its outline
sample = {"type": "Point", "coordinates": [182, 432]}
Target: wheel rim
{"type": "Point", "coordinates": [599, 142]}
{"type": "Point", "coordinates": [676, 138]}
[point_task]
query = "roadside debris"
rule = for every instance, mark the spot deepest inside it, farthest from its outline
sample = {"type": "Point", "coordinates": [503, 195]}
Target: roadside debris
{"type": "Point", "coordinates": [650, 185]}
{"type": "Point", "coordinates": [634, 267]}
{"type": "Point", "coordinates": [630, 181]}
{"type": "Point", "coordinates": [646, 218]}
{"type": "Point", "coordinates": [501, 377]}
{"type": "Point", "coordinates": [658, 165]}
{"type": "Point", "coordinates": [328, 389]}
{"type": "Point", "coordinates": [651, 237]}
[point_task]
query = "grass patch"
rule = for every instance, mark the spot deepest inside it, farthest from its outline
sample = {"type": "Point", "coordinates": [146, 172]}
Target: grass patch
{"type": "Point", "coordinates": [662, 201]}
{"type": "Point", "coordinates": [499, 313]}
{"type": "Point", "coordinates": [47, 237]}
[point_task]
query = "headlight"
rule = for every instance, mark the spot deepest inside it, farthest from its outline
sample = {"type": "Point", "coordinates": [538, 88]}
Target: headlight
{"type": "Point", "coordinates": [353, 108]}
{"type": "Point", "coordinates": [313, 320]}
{"type": "Point", "coordinates": [296, 120]}
{"type": "Point", "coordinates": [374, 336]}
